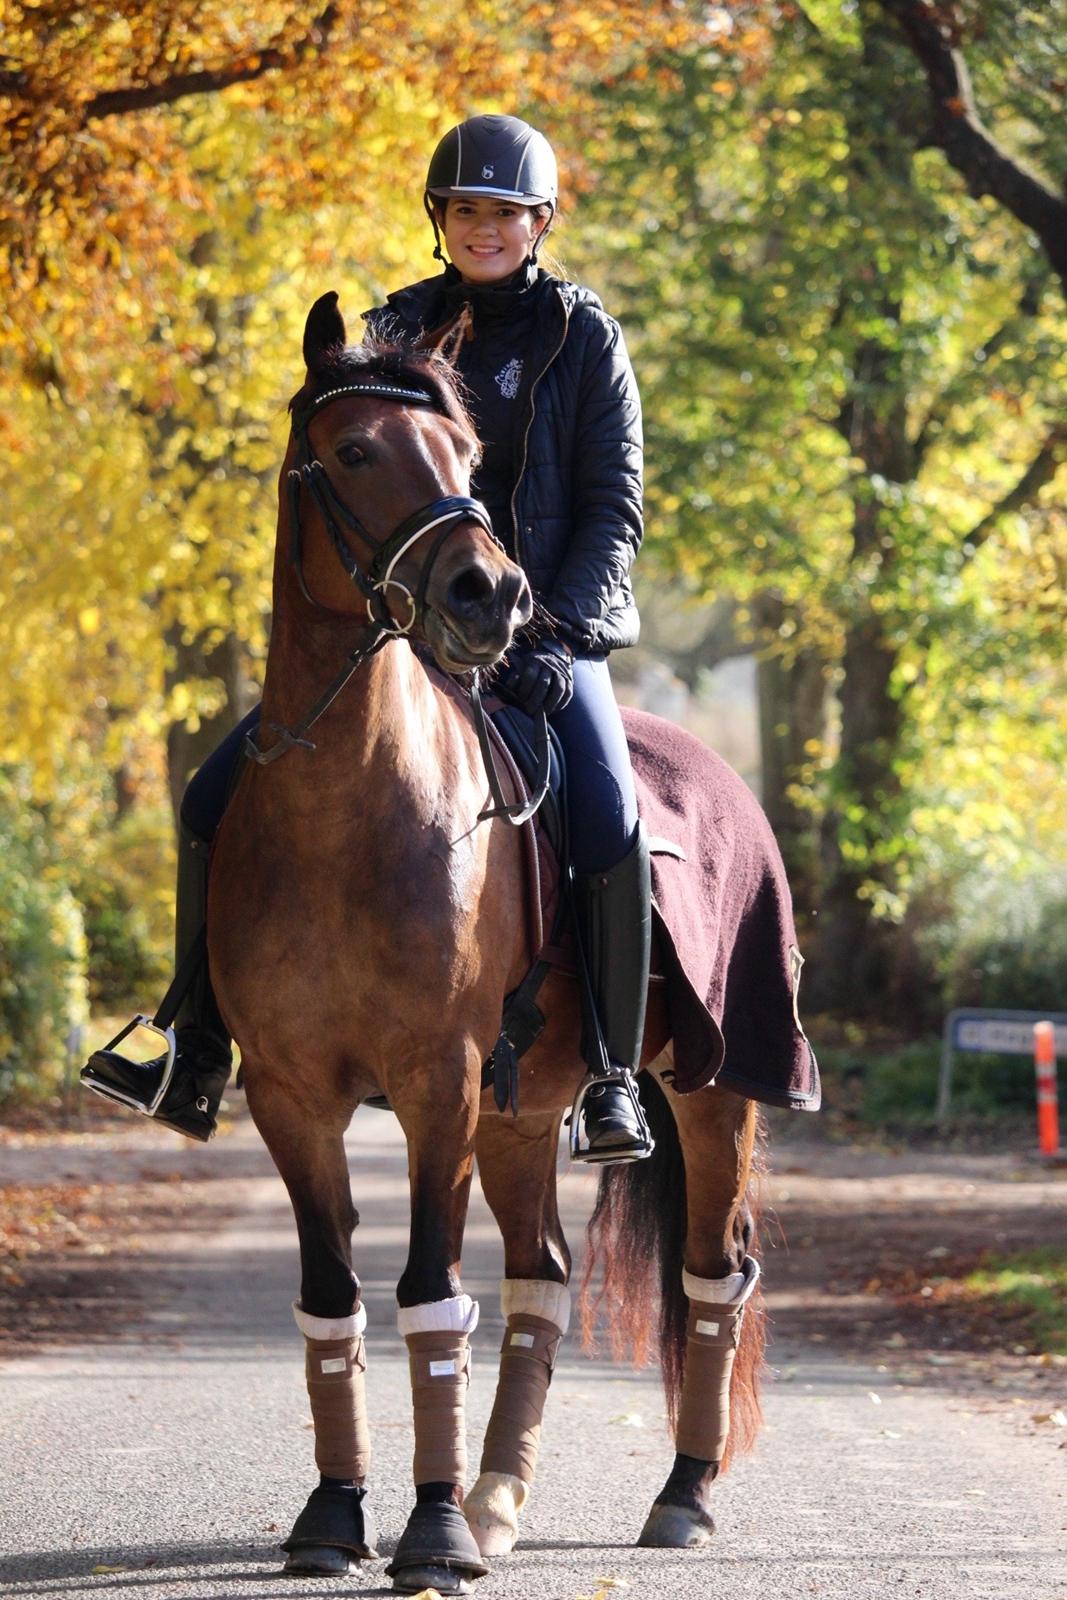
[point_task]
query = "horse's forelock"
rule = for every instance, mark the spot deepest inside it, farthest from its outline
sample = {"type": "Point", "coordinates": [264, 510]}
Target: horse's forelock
{"type": "Point", "coordinates": [389, 363]}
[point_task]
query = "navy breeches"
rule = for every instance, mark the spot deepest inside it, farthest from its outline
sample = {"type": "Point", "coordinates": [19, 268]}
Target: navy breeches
{"type": "Point", "coordinates": [601, 802]}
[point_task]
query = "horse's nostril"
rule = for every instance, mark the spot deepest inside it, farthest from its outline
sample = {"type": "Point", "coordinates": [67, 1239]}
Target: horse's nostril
{"type": "Point", "coordinates": [471, 590]}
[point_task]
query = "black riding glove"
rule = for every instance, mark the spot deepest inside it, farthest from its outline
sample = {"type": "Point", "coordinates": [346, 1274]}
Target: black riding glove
{"type": "Point", "coordinates": [538, 677]}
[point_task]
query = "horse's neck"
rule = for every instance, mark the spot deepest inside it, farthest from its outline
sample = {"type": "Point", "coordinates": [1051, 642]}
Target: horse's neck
{"type": "Point", "coordinates": [388, 741]}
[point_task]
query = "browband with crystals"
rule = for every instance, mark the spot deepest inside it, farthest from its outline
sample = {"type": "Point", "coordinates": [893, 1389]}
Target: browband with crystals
{"type": "Point", "coordinates": [389, 390]}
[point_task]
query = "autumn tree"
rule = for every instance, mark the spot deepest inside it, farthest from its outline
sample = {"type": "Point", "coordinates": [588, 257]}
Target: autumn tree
{"type": "Point", "coordinates": [853, 371]}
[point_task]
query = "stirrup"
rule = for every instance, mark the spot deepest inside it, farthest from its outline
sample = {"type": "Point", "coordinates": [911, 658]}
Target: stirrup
{"type": "Point", "coordinates": [109, 1092]}
{"type": "Point", "coordinates": [609, 1157]}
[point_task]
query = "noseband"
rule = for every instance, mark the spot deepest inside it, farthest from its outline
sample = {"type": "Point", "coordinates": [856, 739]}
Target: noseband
{"type": "Point", "coordinates": [444, 515]}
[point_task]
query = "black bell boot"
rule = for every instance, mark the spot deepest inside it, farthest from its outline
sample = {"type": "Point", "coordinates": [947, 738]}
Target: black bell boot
{"type": "Point", "coordinates": [614, 911]}
{"type": "Point", "coordinates": [183, 1087]}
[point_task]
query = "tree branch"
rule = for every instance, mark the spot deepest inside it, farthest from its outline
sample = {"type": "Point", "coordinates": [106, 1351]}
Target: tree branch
{"type": "Point", "coordinates": [958, 387]}
{"type": "Point", "coordinates": [968, 145]}
{"type": "Point", "coordinates": [209, 80]}
{"type": "Point", "coordinates": [1042, 470]}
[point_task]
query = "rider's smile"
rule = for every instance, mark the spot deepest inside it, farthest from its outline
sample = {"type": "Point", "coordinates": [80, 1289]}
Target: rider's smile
{"type": "Point", "coordinates": [489, 239]}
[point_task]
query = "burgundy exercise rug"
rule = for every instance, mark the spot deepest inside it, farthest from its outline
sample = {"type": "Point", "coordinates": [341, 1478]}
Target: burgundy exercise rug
{"type": "Point", "coordinates": [730, 954]}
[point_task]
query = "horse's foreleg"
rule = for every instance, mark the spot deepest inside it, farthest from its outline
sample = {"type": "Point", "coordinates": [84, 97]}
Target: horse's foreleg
{"type": "Point", "coordinates": [718, 1408]}
{"type": "Point", "coordinates": [436, 1550]}
{"type": "Point", "coordinates": [334, 1526]}
{"type": "Point", "coordinates": [517, 1165]}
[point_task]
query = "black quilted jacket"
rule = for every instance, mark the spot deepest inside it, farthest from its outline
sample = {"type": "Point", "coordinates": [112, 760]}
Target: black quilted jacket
{"type": "Point", "coordinates": [577, 502]}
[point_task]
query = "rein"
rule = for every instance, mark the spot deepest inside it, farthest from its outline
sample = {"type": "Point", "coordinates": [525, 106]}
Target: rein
{"type": "Point", "coordinates": [444, 515]}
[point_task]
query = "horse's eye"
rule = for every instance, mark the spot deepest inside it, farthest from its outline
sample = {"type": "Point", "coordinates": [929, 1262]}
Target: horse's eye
{"type": "Point", "coordinates": [350, 455]}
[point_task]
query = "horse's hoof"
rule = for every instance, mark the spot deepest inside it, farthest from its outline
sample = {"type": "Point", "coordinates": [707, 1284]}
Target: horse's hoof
{"type": "Point", "coordinates": [492, 1511]}
{"type": "Point", "coordinates": [331, 1534]}
{"type": "Point", "coordinates": [320, 1561]}
{"type": "Point", "coordinates": [439, 1580]}
{"type": "Point", "coordinates": [676, 1528]}
{"type": "Point", "coordinates": [436, 1551]}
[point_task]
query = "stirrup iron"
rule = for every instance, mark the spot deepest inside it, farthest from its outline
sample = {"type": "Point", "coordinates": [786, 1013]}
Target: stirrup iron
{"type": "Point", "coordinates": [623, 1153]}
{"type": "Point", "coordinates": [109, 1092]}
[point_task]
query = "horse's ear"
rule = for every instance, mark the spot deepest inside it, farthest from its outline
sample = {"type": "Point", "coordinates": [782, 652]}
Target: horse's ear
{"type": "Point", "coordinates": [447, 340]}
{"type": "Point", "coordinates": [324, 330]}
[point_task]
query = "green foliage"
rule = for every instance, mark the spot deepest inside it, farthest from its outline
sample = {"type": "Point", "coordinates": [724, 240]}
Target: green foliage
{"type": "Point", "coordinates": [849, 366]}
{"type": "Point", "coordinates": [125, 887]}
{"type": "Point", "coordinates": [43, 990]}
{"type": "Point", "coordinates": [120, 960]}
{"type": "Point", "coordinates": [893, 1090]}
{"type": "Point", "coordinates": [1014, 956]}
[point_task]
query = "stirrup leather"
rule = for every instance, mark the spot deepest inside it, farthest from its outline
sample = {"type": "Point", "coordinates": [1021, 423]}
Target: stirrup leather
{"type": "Point", "coordinates": [623, 1079]}
{"type": "Point", "coordinates": [110, 1092]}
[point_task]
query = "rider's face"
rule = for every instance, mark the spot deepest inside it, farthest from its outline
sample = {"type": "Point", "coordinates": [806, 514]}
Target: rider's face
{"type": "Point", "coordinates": [489, 239]}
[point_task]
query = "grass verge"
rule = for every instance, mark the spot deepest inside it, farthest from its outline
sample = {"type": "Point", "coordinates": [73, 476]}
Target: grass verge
{"type": "Point", "coordinates": [1032, 1284]}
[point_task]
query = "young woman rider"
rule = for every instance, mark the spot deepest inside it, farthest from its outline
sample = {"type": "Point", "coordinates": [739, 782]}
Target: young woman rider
{"type": "Point", "coordinates": [557, 410]}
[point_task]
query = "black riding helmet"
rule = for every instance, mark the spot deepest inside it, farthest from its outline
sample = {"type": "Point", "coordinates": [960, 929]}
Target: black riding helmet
{"type": "Point", "coordinates": [500, 158]}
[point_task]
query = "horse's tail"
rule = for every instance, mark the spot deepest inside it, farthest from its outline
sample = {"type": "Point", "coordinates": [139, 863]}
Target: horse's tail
{"type": "Point", "coordinates": [635, 1244]}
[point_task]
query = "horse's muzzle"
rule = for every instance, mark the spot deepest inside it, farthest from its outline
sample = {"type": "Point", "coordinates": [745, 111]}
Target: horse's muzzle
{"type": "Point", "coordinates": [472, 622]}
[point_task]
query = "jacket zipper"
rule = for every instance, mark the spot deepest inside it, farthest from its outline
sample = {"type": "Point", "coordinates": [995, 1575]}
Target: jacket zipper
{"type": "Point", "coordinates": [526, 434]}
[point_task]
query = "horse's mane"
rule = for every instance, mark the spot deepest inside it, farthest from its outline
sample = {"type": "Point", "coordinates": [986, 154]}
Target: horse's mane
{"type": "Point", "coordinates": [392, 363]}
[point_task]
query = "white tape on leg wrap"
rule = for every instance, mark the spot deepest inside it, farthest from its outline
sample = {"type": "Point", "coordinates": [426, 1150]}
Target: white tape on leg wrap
{"type": "Point", "coordinates": [537, 1297]}
{"type": "Point", "coordinates": [458, 1315]}
{"type": "Point", "coordinates": [733, 1290]}
{"type": "Point", "coordinates": [330, 1327]}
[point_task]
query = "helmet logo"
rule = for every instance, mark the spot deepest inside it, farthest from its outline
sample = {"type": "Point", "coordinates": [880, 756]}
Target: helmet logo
{"type": "Point", "coordinates": [487, 172]}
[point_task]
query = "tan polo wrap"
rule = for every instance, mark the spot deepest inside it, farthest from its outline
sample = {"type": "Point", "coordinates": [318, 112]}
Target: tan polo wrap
{"type": "Point", "coordinates": [712, 1336]}
{"type": "Point", "coordinates": [439, 1356]}
{"type": "Point", "coordinates": [538, 1314]}
{"type": "Point", "coordinates": [440, 1374]}
{"type": "Point", "coordinates": [335, 1366]}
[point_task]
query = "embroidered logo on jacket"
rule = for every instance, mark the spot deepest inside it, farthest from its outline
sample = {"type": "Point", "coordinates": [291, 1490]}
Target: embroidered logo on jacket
{"type": "Point", "coordinates": [509, 377]}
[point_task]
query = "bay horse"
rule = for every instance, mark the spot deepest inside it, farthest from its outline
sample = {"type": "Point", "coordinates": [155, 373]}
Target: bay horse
{"type": "Point", "coordinates": [363, 931]}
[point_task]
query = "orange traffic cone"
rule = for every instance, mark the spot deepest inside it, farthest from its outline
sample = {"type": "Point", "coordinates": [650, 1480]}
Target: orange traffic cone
{"type": "Point", "coordinates": [1048, 1119]}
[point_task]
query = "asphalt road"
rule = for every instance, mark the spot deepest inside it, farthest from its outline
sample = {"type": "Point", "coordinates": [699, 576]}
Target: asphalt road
{"type": "Point", "coordinates": [167, 1464]}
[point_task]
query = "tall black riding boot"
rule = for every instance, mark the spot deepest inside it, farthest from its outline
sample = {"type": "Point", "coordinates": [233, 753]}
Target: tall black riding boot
{"type": "Point", "coordinates": [614, 911]}
{"type": "Point", "coordinates": [190, 1100]}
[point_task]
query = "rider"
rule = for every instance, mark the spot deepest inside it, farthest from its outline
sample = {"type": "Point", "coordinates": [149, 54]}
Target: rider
{"type": "Point", "coordinates": [556, 407]}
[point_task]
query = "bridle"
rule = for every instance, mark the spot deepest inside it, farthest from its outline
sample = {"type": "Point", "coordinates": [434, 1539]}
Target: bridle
{"type": "Point", "coordinates": [442, 515]}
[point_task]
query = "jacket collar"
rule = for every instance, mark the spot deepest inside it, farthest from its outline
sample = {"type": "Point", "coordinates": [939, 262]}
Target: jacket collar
{"type": "Point", "coordinates": [424, 304]}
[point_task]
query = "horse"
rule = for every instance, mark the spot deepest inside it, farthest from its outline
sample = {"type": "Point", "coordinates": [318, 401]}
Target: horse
{"type": "Point", "coordinates": [364, 929]}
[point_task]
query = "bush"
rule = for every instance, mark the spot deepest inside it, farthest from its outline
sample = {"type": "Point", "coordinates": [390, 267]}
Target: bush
{"type": "Point", "coordinates": [894, 1089]}
{"type": "Point", "coordinates": [125, 887]}
{"type": "Point", "coordinates": [43, 988]}
{"type": "Point", "coordinates": [1015, 957]}
{"type": "Point", "coordinates": [123, 964]}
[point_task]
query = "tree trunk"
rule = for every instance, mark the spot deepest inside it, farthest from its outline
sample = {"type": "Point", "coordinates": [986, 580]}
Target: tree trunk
{"type": "Point", "coordinates": [793, 704]}
{"type": "Point", "coordinates": [854, 949]}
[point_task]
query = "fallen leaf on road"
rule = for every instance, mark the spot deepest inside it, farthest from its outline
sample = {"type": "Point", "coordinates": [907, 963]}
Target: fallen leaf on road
{"type": "Point", "coordinates": [875, 1399]}
{"type": "Point", "coordinates": [629, 1419]}
{"type": "Point", "coordinates": [100, 1570]}
{"type": "Point", "coordinates": [1057, 1418]}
